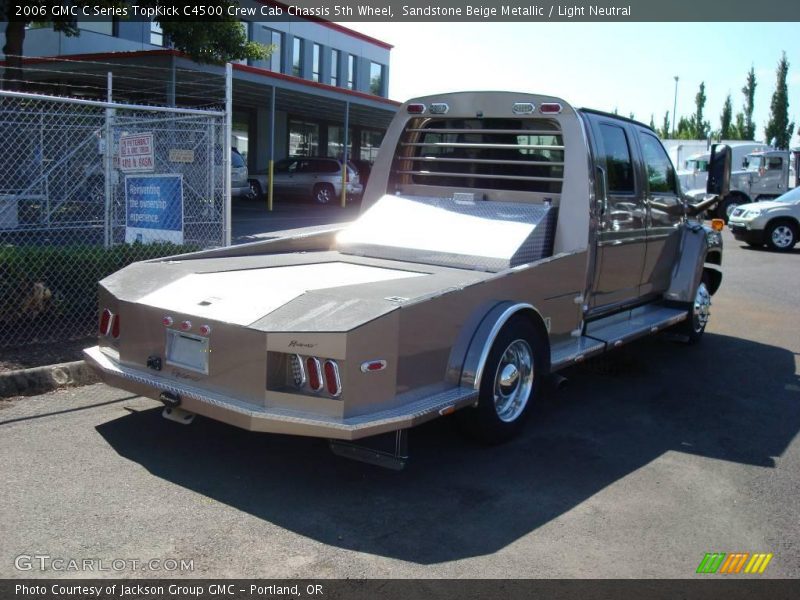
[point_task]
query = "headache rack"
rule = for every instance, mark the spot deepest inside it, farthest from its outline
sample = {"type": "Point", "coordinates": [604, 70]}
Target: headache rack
{"type": "Point", "coordinates": [525, 154]}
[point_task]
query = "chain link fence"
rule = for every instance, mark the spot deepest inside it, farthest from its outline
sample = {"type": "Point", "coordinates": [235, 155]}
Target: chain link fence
{"type": "Point", "coordinates": [88, 187]}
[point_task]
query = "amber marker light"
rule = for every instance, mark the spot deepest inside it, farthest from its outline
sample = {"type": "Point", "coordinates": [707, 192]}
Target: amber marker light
{"type": "Point", "coordinates": [717, 224]}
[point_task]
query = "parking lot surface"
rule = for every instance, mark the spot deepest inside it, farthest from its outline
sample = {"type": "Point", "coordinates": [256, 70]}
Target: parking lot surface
{"type": "Point", "coordinates": [641, 465]}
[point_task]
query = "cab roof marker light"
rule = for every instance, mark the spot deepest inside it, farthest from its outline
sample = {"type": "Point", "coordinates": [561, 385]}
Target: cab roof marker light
{"type": "Point", "coordinates": [550, 108]}
{"type": "Point", "coordinates": [523, 108]}
{"type": "Point", "coordinates": [415, 109]}
{"type": "Point", "coordinates": [439, 108]}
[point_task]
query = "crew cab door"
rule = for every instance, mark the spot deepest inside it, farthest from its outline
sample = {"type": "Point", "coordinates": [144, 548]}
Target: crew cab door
{"type": "Point", "coordinates": [621, 214]}
{"type": "Point", "coordinates": [665, 213]}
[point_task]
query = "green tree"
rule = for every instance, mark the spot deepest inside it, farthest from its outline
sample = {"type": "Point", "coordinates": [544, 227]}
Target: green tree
{"type": "Point", "coordinates": [726, 128]}
{"type": "Point", "coordinates": [778, 127]}
{"type": "Point", "coordinates": [653, 123]}
{"type": "Point", "coordinates": [700, 128]}
{"type": "Point", "coordinates": [738, 128]}
{"type": "Point", "coordinates": [685, 129]}
{"type": "Point", "coordinates": [665, 131]}
{"type": "Point", "coordinates": [217, 40]}
{"type": "Point", "coordinates": [749, 90]}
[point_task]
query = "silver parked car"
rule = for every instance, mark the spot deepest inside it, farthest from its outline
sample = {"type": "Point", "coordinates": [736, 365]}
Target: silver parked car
{"type": "Point", "coordinates": [240, 186]}
{"type": "Point", "coordinates": [775, 223]}
{"type": "Point", "coordinates": [304, 178]}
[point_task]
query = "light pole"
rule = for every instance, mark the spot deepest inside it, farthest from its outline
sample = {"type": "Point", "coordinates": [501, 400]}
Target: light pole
{"type": "Point", "coordinates": [674, 106]}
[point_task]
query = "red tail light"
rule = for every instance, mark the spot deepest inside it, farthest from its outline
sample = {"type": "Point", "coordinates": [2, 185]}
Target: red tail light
{"type": "Point", "coordinates": [332, 381]}
{"type": "Point", "coordinates": [416, 109]}
{"type": "Point", "coordinates": [115, 327]}
{"type": "Point", "coordinates": [105, 322]}
{"type": "Point", "coordinates": [550, 108]}
{"type": "Point", "coordinates": [314, 374]}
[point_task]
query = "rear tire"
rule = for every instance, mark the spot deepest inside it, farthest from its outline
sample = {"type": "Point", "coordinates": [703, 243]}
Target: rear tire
{"type": "Point", "coordinates": [510, 386]}
{"type": "Point", "coordinates": [323, 193]}
{"type": "Point", "coordinates": [255, 192]}
{"type": "Point", "coordinates": [781, 236]}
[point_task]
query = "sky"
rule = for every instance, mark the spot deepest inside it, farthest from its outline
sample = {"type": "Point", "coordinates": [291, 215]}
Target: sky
{"type": "Point", "coordinates": [627, 66]}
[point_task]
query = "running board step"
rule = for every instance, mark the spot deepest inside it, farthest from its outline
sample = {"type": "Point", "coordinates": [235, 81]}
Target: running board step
{"type": "Point", "coordinates": [614, 331]}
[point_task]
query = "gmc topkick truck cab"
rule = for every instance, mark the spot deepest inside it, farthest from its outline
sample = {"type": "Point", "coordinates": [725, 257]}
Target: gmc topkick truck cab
{"type": "Point", "coordinates": [503, 237]}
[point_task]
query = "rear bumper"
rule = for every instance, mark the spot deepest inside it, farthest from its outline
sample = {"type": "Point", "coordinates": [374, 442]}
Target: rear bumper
{"type": "Point", "coordinates": [418, 408]}
{"type": "Point", "coordinates": [750, 236]}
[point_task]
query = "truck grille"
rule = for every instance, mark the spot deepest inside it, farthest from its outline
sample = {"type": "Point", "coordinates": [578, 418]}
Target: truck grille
{"type": "Point", "coordinates": [496, 154]}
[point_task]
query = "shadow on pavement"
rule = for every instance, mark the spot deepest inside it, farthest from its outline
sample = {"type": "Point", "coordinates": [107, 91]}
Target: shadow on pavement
{"type": "Point", "coordinates": [726, 398]}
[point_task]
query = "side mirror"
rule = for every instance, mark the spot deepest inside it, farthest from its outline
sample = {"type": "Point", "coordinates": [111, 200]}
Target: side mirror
{"type": "Point", "coordinates": [719, 171]}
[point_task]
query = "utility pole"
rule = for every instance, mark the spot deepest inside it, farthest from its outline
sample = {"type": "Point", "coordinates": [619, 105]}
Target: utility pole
{"type": "Point", "coordinates": [675, 107]}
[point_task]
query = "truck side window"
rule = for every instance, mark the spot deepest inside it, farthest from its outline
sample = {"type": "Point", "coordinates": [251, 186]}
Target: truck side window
{"type": "Point", "coordinates": [660, 173]}
{"type": "Point", "coordinates": [774, 164]}
{"type": "Point", "coordinates": [618, 159]}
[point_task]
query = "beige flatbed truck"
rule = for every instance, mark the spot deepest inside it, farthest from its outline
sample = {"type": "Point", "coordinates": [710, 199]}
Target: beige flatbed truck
{"type": "Point", "coordinates": [503, 237]}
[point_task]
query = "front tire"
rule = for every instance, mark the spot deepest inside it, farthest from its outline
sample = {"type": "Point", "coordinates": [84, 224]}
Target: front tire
{"type": "Point", "coordinates": [323, 193]}
{"type": "Point", "coordinates": [511, 384]}
{"type": "Point", "coordinates": [781, 236]}
{"type": "Point", "coordinates": [729, 204]}
{"type": "Point", "coordinates": [698, 314]}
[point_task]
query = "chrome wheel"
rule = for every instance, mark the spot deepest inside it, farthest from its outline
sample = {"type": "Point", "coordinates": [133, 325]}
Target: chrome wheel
{"type": "Point", "coordinates": [323, 194]}
{"type": "Point", "coordinates": [782, 236]}
{"type": "Point", "coordinates": [702, 308]}
{"type": "Point", "coordinates": [513, 381]}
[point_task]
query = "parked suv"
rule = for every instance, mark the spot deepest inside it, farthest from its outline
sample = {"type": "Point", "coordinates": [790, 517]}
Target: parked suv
{"type": "Point", "coordinates": [318, 179]}
{"type": "Point", "coordinates": [240, 186]}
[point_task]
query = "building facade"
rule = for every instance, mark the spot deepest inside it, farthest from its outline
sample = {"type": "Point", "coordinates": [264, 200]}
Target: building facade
{"type": "Point", "coordinates": [294, 103]}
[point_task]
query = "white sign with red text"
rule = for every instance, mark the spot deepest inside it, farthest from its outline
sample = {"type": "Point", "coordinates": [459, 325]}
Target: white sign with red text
{"type": "Point", "coordinates": [136, 153]}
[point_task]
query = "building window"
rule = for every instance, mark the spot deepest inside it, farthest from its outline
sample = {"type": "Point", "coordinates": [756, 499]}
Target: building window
{"type": "Point", "coordinates": [336, 141]}
{"type": "Point", "coordinates": [105, 27]}
{"type": "Point", "coordinates": [274, 39]}
{"type": "Point", "coordinates": [351, 72]}
{"type": "Point", "coordinates": [376, 79]}
{"type": "Point", "coordinates": [303, 138]}
{"type": "Point", "coordinates": [156, 34]}
{"type": "Point", "coordinates": [370, 142]}
{"type": "Point", "coordinates": [297, 57]}
{"type": "Point", "coordinates": [334, 67]}
{"type": "Point", "coordinates": [315, 60]}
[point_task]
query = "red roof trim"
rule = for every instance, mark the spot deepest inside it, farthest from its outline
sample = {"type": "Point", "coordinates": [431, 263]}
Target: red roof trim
{"type": "Point", "coordinates": [335, 26]}
{"type": "Point", "coordinates": [315, 84]}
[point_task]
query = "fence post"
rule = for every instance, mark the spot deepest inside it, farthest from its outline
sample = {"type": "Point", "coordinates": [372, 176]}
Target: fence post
{"type": "Point", "coordinates": [226, 151]}
{"type": "Point", "coordinates": [108, 164]}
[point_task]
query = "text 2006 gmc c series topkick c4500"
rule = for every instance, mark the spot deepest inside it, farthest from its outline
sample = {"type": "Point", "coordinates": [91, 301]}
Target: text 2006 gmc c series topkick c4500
{"type": "Point", "coordinates": [503, 237]}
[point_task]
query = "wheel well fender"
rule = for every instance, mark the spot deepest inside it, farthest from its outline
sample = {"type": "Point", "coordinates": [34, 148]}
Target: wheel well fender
{"type": "Point", "coordinates": [468, 356]}
{"type": "Point", "coordinates": [712, 271]}
{"type": "Point", "coordinates": [783, 219]}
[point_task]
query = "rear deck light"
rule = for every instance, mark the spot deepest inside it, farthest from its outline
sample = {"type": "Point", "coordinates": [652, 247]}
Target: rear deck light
{"type": "Point", "coordinates": [314, 374]}
{"type": "Point", "coordinates": [552, 108]}
{"type": "Point", "coordinates": [416, 109]}
{"type": "Point", "coordinates": [205, 329]}
{"type": "Point", "coordinates": [186, 325]}
{"type": "Point", "coordinates": [439, 108]}
{"type": "Point", "coordinates": [167, 321]}
{"type": "Point", "coordinates": [332, 381]}
{"type": "Point", "coordinates": [105, 321]}
{"type": "Point", "coordinates": [523, 108]}
{"type": "Point", "coordinates": [298, 373]}
{"type": "Point", "coordinates": [115, 325]}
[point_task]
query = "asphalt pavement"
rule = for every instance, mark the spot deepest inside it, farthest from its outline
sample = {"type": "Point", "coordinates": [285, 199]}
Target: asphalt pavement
{"type": "Point", "coordinates": [641, 465]}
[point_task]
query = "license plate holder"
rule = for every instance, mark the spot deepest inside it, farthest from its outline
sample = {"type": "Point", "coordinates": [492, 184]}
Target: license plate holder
{"type": "Point", "coordinates": [187, 351]}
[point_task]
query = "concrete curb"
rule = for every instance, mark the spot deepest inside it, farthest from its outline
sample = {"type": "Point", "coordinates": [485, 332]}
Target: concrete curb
{"type": "Point", "coordinates": [38, 380]}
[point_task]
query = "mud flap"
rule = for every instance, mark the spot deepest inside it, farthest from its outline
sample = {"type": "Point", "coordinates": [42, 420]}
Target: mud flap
{"type": "Point", "coordinates": [688, 270]}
